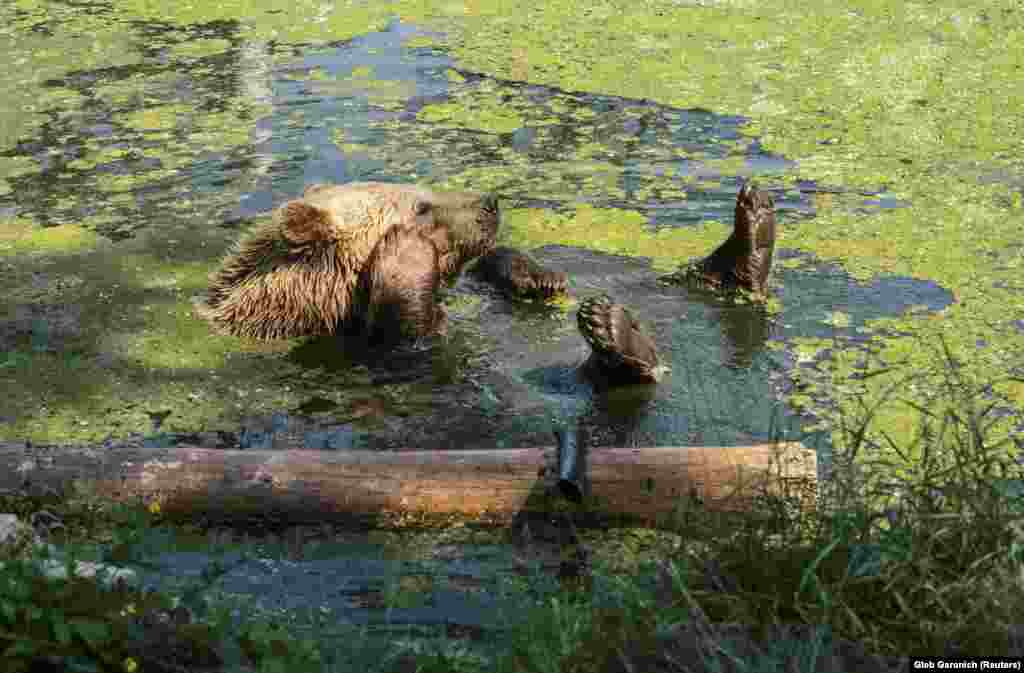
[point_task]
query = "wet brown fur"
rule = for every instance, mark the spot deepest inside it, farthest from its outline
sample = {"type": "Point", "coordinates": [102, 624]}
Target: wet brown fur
{"type": "Point", "coordinates": [621, 351]}
{"type": "Point", "coordinates": [517, 274]}
{"type": "Point", "coordinates": [364, 256]}
{"type": "Point", "coordinates": [744, 260]}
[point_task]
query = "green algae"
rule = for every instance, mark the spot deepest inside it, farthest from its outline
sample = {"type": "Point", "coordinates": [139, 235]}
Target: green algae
{"type": "Point", "coordinates": [140, 89]}
{"type": "Point", "coordinates": [127, 183]}
{"type": "Point", "coordinates": [837, 319]}
{"type": "Point", "coordinates": [156, 118]}
{"type": "Point", "coordinates": [37, 61]}
{"type": "Point", "coordinates": [22, 237]}
{"type": "Point", "coordinates": [196, 49]}
{"type": "Point", "coordinates": [621, 232]}
{"type": "Point", "coordinates": [466, 306]}
{"type": "Point", "coordinates": [493, 118]}
{"type": "Point", "coordinates": [264, 20]}
{"type": "Point", "coordinates": [220, 131]}
{"type": "Point", "coordinates": [12, 167]}
{"type": "Point", "coordinates": [99, 156]}
{"type": "Point", "coordinates": [593, 179]}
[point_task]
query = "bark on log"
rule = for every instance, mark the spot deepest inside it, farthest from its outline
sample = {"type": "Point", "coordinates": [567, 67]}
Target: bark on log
{"type": "Point", "coordinates": [317, 485]}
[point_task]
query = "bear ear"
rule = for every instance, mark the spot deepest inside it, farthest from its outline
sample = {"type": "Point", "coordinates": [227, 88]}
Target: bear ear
{"type": "Point", "coordinates": [422, 207]}
{"type": "Point", "coordinates": [303, 223]}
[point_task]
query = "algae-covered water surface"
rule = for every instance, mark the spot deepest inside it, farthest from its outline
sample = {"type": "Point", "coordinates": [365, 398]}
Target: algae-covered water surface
{"type": "Point", "coordinates": [137, 140]}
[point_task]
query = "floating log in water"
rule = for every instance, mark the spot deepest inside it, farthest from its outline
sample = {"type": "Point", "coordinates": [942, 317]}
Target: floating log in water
{"type": "Point", "coordinates": [304, 485]}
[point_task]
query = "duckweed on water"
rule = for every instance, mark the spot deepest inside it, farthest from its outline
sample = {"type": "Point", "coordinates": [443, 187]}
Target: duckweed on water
{"type": "Point", "coordinates": [620, 232]}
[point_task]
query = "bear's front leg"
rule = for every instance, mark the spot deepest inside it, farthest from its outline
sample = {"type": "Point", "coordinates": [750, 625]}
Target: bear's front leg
{"type": "Point", "coordinates": [403, 282]}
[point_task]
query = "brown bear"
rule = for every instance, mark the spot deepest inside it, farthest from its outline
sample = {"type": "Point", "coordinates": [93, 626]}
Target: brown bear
{"type": "Point", "coordinates": [364, 257]}
{"type": "Point", "coordinates": [744, 260]}
{"type": "Point", "coordinates": [621, 352]}
{"type": "Point", "coordinates": [519, 275]}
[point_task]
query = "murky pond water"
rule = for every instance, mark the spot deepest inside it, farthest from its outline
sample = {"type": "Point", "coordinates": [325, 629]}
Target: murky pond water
{"type": "Point", "coordinates": [171, 157]}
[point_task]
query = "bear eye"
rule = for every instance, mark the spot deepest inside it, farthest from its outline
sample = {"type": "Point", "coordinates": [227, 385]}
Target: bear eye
{"type": "Point", "coordinates": [423, 207]}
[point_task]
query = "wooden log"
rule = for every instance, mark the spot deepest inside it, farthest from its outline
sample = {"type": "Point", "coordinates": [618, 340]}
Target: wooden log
{"type": "Point", "coordinates": [304, 485]}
